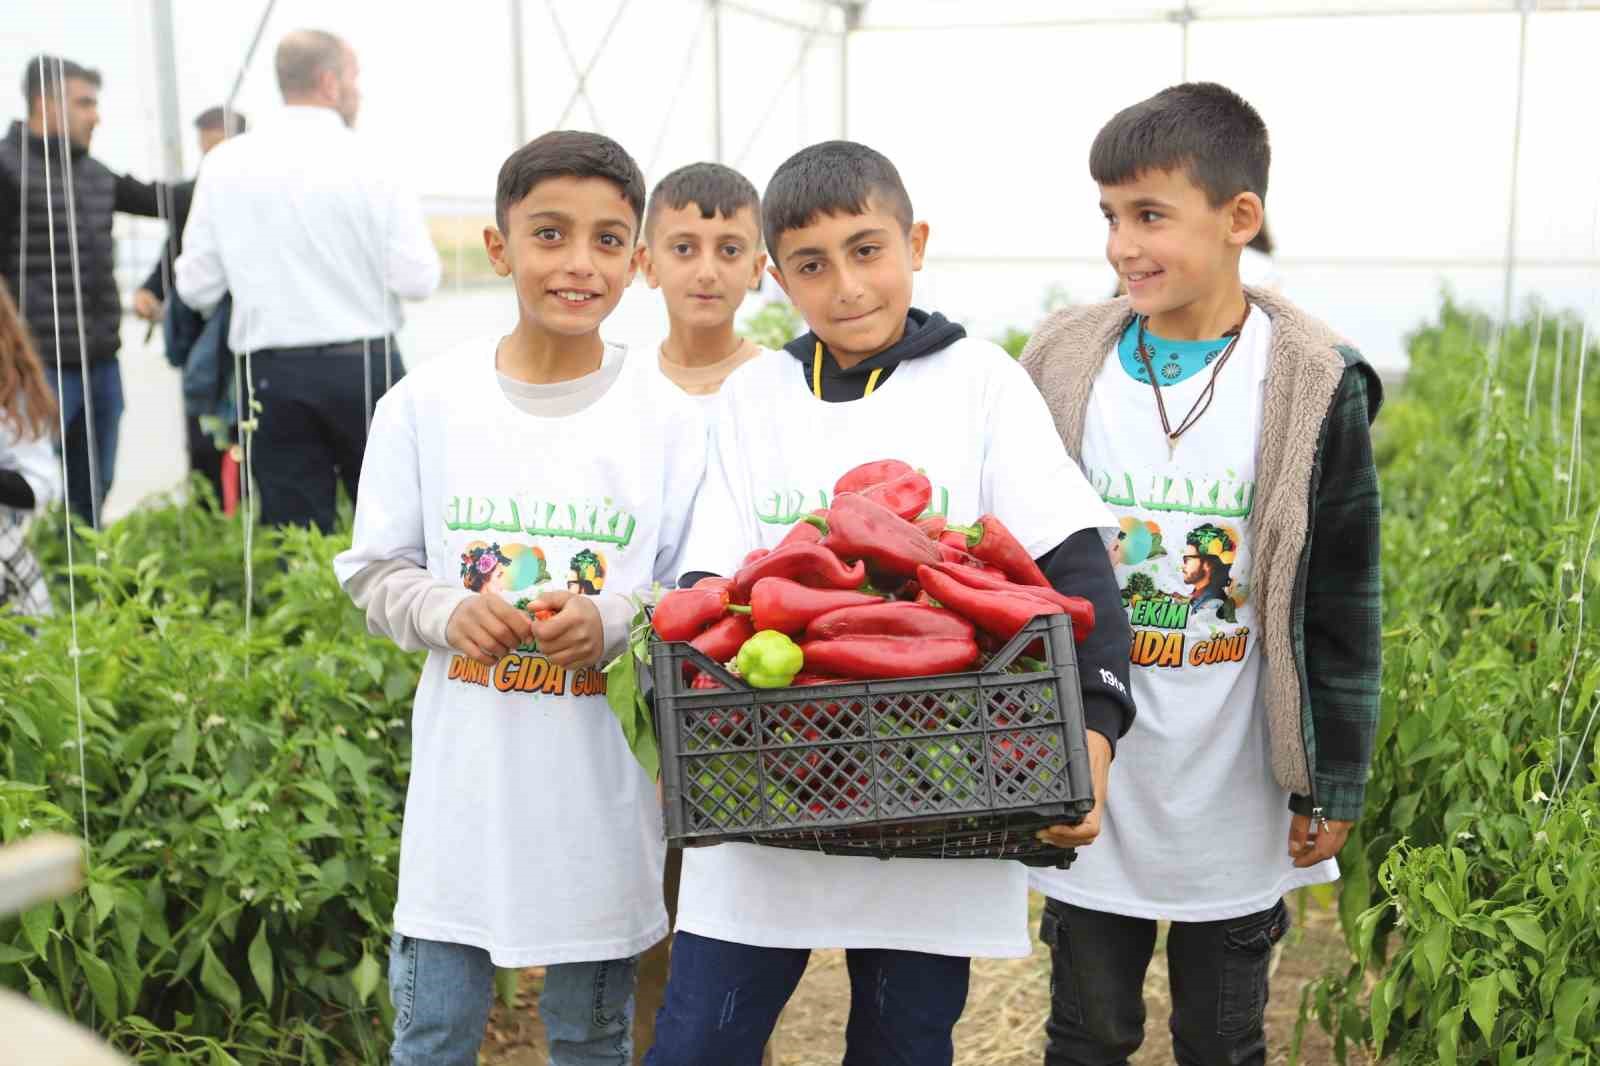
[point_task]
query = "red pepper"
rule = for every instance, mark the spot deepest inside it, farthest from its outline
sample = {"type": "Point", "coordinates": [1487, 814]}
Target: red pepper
{"type": "Point", "coordinates": [724, 639]}
{"type": "Point", "coordinates": [1081, 610]}
{"type": "Point", "coordinates": [932, 525]}
{"type": "Point", "coordinates": [907, 496]}
{"type": "Point", "coordinates": [860, 528]}
{"type": "Point", "coordinates": [683, 614]}
{"type": "Point", "coordinates": [804, 532]}
{"type": "Point", "coordinates": [713, 582]}
{"type": "Point", "coordinates": [890, 620]}
{"type": "Point", "coordinates": [1000, 614]}
{"type": "Point", "coordinates": [805, 678]}
{"type": "Point", "coordinates": [991, 541]}
{"type": "Point", "coordinates": [869, 474]}
{"type": "Point", "coordinates": [884, 657]}
{"type": "Point", "coordinates": [787, 606]}
{"type": "Point", "coordinates": [809, 564]}
{"type": "Point", "coordinates": [753, 555]}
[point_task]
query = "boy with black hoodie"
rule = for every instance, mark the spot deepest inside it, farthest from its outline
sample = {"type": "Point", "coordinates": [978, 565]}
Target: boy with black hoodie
{"type": "Point", "coordinates": [873, 379]}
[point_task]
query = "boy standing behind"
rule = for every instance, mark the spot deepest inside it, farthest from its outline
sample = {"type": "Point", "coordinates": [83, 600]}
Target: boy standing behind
{"type": "Point", "coordinates": [1228, 430]}
{"type": "Point", "coordinates": [702, 249]}
{"type": "Point", "coordinates": [873, 378]}
{"type": "Point", "coordinates": [531, 835]}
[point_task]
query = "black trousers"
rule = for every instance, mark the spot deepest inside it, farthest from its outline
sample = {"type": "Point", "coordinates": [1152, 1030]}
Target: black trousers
{"type": "Point", "coordinates": [204, 459]}
{"type": "Point", "coordinates": [1218, 972]}
{"type": "Point", "coordinates": [311, 431]}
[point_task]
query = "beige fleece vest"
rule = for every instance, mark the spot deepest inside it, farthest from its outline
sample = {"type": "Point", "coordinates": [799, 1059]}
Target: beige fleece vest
{"type": "Point", "coordinates": [1064, 357]}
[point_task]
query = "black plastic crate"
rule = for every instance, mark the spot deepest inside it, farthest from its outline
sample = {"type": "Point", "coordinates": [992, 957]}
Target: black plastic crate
{"type": "Point", "coordinates": [960, 766]}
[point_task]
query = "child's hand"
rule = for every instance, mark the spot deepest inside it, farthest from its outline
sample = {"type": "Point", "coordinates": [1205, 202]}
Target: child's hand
{"type": "Point", "coordinates": [1085, 832]}
{"type": "Point", "coordinates": [574, 635]}
{"type": "Point", "coordinates": [1307, 850]}
{"type": "Point", "coordinates": [485, 627]}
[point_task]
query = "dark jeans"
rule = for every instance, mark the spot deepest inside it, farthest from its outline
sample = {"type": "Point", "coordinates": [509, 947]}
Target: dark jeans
{"type": "Point", "coordinates": [723, 1000]}
{"type": "Point", "coordinates": [105, 395]}
{"type": "Point", "coordinates": [204, 459]}
{"type": "Point", "coordinates": [311, 431]}
{"type": "Point", "coordinates": [1218, 972]}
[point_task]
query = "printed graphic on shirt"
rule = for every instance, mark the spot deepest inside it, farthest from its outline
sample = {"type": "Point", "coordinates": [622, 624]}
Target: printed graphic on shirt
{"type": "Point", "coordinates": [1185, 609]}
{"type": "Point", "coordinates": [521, 572]}
{"type": "Point", "coordinates": [785, 507]}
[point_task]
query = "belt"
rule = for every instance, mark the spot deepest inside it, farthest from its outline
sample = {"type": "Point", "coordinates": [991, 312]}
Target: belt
{"type": "Point", "coordinates": [356, 347]}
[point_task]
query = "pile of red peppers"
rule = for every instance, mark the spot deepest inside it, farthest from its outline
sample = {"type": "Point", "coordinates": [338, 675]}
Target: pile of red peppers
{"type": "Point", "coordinates": [875, 587]}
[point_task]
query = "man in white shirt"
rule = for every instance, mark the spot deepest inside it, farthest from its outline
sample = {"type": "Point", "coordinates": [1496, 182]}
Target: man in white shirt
{"type": "Point", "coordinates": [318, 246]}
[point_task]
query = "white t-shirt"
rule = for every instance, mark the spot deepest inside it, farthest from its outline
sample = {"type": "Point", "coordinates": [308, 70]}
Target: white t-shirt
{"type": "Point", "coordinates": [1195, 828]}
{"type": "Point", "coordinates": [971, 418]}
{"type": "Point", "coordinates": [530, 830]}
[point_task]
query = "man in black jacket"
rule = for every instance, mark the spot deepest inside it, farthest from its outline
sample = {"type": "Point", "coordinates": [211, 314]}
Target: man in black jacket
{"type": "Point", "coordinates": [215, 126]}
{"type": "Point", "coordinates": [79, 324]}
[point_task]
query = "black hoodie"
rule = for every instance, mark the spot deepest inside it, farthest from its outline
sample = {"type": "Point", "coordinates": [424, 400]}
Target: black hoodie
{"type": "Point", "coordinates": [925, 334]}
{"type": "Point", "coordinates": [1078, 566]}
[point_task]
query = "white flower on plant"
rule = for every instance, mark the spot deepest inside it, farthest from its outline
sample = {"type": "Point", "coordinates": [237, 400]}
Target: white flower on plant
{"type": "Point", "coordinates": [68, 745]}
{"type": "Point", "coordinates": [154, 844]}
{"type": "Point", "coordinates": [74, 780]}
{"type": "Point", "coordinates": [27, 823]}
{"type": "Point", "coordinates": [101, 556]}
{"type": "Point", "coordinates": [211, 722]}
{"type": "Point", "coordinates": [1569, 566]}
{"type": "Point", "coordinates": [1507, 557]}
{"type": "Point", "coordinates": [1541, 837]}
{"type": "Point", "coordinates": [1576, 597]}
{"type": "Point", "coordinates": [372, 733]}
{"type": "Point", "coordinates": [340, 731]}
{"type": "Point", "coordinates": [257, 807]}
{"type": "Point", "coordinates": [1563, 476]}
{"type": "Point", "coordinates": [247, 893]}
{"type": "Point", "coordinates": [1540, 797]}
{"type": "Point", "coordinates": [1464, 835]}
{"type": "Point", "coordinates": [180, 698]}
{"type": "Point", "coordinates": [1554, 686]}
{"type": "Point", "coordinates": [234, 824]}
{"type": "Point", "coordinates": [396, 723]}
{"type": "Point", "coordinates": [292, 905]}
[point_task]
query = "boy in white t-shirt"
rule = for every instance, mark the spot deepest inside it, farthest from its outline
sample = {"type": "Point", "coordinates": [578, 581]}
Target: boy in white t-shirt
{"type": "Point", "coordinates": [509, 498]}
{"type": "Point", "coordinates": [873, 379]}
{"type": "Point", "coordinates": [702, 249]}
{"type": "Point", "coordinates": [1228, 431]}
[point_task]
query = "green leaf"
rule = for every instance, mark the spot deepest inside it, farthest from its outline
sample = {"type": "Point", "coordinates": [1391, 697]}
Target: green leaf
{"type": "Point", "coordinates": [1382, 1006]}
{"type": "Point", "coordinates": [628, 704]}
{"type": "Point", "coordinates": [355, 760]}
{"type": "Point", "coordinates": [1570, 1001]}
{"type": "Point", "coordinates": [104, 899]}
{"type": "Point", "coordinates": [102, 982]}
{"type": "Point", "coordinates": [365, 977]}
{"type": "Point", "coordinates": [36, 923]}
{"type": "Point", "coordinates": [1483, 999]}
{"type": "Point", "coordinates": [1449, 1031]}
{"type": "Point", "coordinates": [1527, 930]}
{"type": "Point", "coordinates": [10, 955]}
{"type": "Point", "coordinates": [215, 978]}
{"type": "Point", "coordinates": [261, 962]}
{"type": "Point", "coordinates": [1434, 894]}
{"type": "Point", "coordinates": [1435, 948]}
{"type": "Point", "coordinates": [184, 745]}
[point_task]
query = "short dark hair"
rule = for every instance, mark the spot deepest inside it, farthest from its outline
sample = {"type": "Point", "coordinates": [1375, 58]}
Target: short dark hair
{"type": "Point", "coordinates": [1203, 128]}
{"type": "Point", "coordinates": [35, 83]}
{"type": "Point", "coordinates": [567, 154]}
{"type": "Point", "coordinates": [303, 56]}
{"type": "Point", "coordinates": [712, 187]}
{"type": "Point", "coordinates": [212, 118]}
{"type": "Point", "coordinates": [831, 178]}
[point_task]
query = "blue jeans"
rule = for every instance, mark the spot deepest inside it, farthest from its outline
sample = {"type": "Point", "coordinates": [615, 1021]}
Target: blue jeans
{"type": "Point", "coordinates": [442, 993]}
{"type": "Point", "coordinates": [105, 393]}
{"type": "Point", "coordinates": [723, 1000]}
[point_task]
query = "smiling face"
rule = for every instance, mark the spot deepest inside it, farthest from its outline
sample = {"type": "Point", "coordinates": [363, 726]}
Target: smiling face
{"type": "Point", "coordinates": [568, 247]}
{"type": "Point", "coordinates": [703, 266]}
{"type": "Point", "coordinates": [1169, 245]}
{"type": "Point", "coordinates": [850, 277]}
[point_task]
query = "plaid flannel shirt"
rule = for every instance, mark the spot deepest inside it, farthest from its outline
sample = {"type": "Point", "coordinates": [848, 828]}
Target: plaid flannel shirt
{"type": "Point", "coordinates": [22, 587]}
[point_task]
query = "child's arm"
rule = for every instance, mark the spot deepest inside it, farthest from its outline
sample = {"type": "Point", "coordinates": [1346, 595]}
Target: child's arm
{"type": "Point", "coordinates": [1343, 623]}
{"type": "Point", "coordinates": [30, 473]}
{"type": "Point", "coordinates": [720, 526]}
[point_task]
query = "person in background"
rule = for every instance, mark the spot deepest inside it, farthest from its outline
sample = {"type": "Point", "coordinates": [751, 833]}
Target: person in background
{"type": "Point", "coordinates": [30, 475]}
{"type": "Point", "coordinates": [215, 125]}
{"type": "Point", "coordinates": [48, 258]}
{"type": "Point", "coordinates": [317, 245]}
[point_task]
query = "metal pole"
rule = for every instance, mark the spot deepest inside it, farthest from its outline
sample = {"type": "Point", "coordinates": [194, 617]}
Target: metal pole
{"type": "Point", "coordinates": [852, 22]}
{"type": "Point", "coordinates": [255, 42]}
{"type": "Point", "coordinates": [166, 64]}
{"type": "Point", "coordinates": [716, 79]}
{"type": "Point", "coordinates": [519, 92]}
{"type": "Point", "coordinates": [1185, 17]}
{"type": "Point", "coordinates": [1516, 158]}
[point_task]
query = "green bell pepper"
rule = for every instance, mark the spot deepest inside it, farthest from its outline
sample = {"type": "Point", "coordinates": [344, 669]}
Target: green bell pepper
{"type": "Point", "coordinates": [769, 660]}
